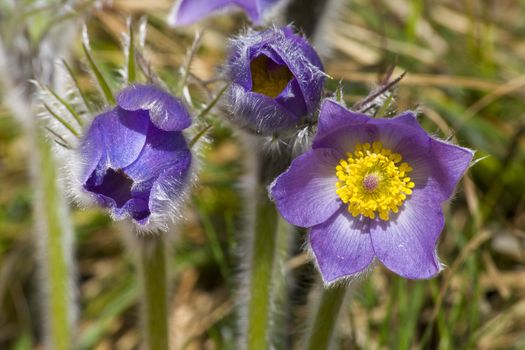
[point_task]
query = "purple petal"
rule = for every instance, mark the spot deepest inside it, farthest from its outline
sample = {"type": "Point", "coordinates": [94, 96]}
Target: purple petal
{"type": "Point", "coordinates": [168, 188]}
{"type": "Point", "coordinates": [301, 96]}
{"type": "Point", "coordinates": [292, 99]}
{"type": "Point", "coordinates": [334, 116]}
{"type": "Point", "coordinates": [406, 244]}
{"type": "Point", "coordinates": [162, 149]}
{"type": "Point", "coordinates": [341, 246]}
{"type": "Point", "coordinates": [396, 134]}
{"type": "Point", "coordinates": [91, 150]}
{"type": "Point", "coordinates": [305, 65]}
{"type": "Point", "coordinates": [191, 11]}
{"type": "Point", "coordinates": [344, 139]}
{"type": "Point", "coordinates": [166, 111]}
{"type": "Point", "coordinates": [123, 134]}
{"type": "Point", "coordinates": [258, 112]}
{"type": "Point", "coordinates": [137, 208]}
{"type": "Point", "coordinates": [408, 118]}
{"type": "Point", "coordinates": [112, 188]}
{"type": "Point", "coordinates": [305, 194]}
{"type": "Point", "coordinates": [449, 164]}
{"type": "Point", "coordinates": [303, 46]}
{"type": "Point", "coordinates": [246, 49]}
{"type": "Point", "coordinates": [435, 162]}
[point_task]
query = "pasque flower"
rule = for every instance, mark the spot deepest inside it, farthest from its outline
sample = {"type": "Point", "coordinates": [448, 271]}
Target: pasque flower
{"type": "Point", "coordinates": [371, 188]}
{"type": "Point", "coordinates": [190, 11]}
{"type": "Point", "coordinates": [135, 160]}
{"type": "Point", "coordinates": [276, 80]}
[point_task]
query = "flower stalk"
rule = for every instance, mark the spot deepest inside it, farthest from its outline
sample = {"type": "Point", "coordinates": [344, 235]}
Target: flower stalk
{"type": "Point", "coordinates": [53, 229]}
{"type": "Point", "coordinates": [262, 257]}
{"type": "Point", "coordinates": [153, 274]}
{"type": "Point", "coordinates": [325, 318]}
{"type": "Point", "coordinates": [54, 247]}
{"type": "Point", "coordinates": [261, 272]}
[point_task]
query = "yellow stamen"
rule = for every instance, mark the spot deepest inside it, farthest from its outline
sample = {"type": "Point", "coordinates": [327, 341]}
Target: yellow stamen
{"type": "Point", "coordinates": [268, 78]}
{"type": "Point", "coordinates": [373, 181]}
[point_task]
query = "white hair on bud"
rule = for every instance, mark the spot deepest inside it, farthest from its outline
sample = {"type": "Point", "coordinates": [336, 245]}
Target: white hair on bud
{"type": "Point", "coordinates": [243, 106]}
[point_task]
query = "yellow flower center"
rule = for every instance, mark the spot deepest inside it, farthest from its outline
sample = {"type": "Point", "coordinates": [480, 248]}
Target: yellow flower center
{"type": "Point", "coordinates": [269, 78]}
{"type": "Point", "coordinates": [373, 181]}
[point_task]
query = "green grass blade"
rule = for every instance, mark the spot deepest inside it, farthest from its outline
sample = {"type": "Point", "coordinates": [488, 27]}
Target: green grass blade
{"type": "Point", "coordinates": [59, 140]}
{"type": "Point", "coordinates": [61, 121]}
{"type": "Point", "coordinates": [212, 104]}
{"type": "Point", "coordinates": [77, 86]}
{"type": "Point", "coordinates": [215, 245]}
{"type": "Point", "coordinates": [199, 135]}
{"type": "Point", "coordinates": [108, 95]}
{"type": "Point", "coordinates": [67, 105]}
{"type": "Point", "coordinates": [131, 66]}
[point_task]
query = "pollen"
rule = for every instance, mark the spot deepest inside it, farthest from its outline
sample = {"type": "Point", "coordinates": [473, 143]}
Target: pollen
{"type": "Point", "coordinates": [373, 181]}
{"type": "Point", "coordinates": [268, 77]}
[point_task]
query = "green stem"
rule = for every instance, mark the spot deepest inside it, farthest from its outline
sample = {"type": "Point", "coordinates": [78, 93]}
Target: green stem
{"type": "Point", "coordinates": [152, 260]}
{"type": "Point", "coordinates": [326, 317]}
{"type": "Point", "coordinates": [56, 247]}
{"type": "Point", "coordinates": [262, 261]}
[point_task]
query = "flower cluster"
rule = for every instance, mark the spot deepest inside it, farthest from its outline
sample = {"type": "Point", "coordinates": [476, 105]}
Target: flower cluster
{"type": "Point", "coordinates": [276, 80]}
{"type": "Point", "coordinates": [371, 188]}
{"type": "Point", "coordinates": [135, 160]}
{"type": "Point", "coordinates": [368, 188]}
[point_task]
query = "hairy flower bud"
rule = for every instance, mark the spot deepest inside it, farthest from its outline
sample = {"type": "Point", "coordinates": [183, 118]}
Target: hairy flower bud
{"type": "Point", "coordinates": [277, 80]}
{"type": "Point", "coordinates": [135, 160]}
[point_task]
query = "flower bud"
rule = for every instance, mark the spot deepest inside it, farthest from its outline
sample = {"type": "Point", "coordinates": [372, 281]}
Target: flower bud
{"type": "Point", "coordinates": [276, 80]}
{"type": "Point", "coordinates": [135, 160]}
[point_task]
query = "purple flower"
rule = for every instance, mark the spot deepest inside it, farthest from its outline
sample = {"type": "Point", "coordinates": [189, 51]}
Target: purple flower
{"type": "Point", "coordinates": [277, 79]}
{"type": "Point", "coordinates": [190, 11]}
{"type": "Point", "coordinates": [135, 159]}
{"type": "Point", "coordinates": [371, 188]}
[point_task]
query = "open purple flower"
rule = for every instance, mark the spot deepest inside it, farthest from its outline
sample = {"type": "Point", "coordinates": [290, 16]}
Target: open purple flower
{"type": "Point", "coordinates": [277, 79]}
{"type": "Point", "coordinates": [190, 11]}
{"type": "Point", "coordinates": [135, 159]}
{"type": "Point", "coordinates": [371, 188]}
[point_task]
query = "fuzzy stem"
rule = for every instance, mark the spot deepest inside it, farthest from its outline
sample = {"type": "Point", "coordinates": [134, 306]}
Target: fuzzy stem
{"type": "Point", "coordinates": [55, 246]}
{"type": "Point", "coordinates": [263, 253]}
{"type": "Point", "coordinates": [326, 317]}
{"type": "Point", "coordinates": [152, 261]}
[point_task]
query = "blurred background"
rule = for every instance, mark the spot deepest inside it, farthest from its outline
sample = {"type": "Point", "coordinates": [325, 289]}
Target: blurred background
{"type": "Point", "coordinates": [465, 64]}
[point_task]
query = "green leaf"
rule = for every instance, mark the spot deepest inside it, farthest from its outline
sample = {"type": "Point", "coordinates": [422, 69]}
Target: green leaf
{"type": "Point", "coordinates": [61, 120]}
{"type": "Point", "coordinates": [77, 85]}
{"type": "Point", "coordinates": [212, 104]}
{"type": "Point", "coordinates": [381, 113]}
{"type": "Point", "coordinates": [131, 68]}
{"type": "Point", "coordinates": [98, 75]}
{"type": "Point", "coordinates": [58, 139]}
{"type": "Point", "coordinates": [67, 105]}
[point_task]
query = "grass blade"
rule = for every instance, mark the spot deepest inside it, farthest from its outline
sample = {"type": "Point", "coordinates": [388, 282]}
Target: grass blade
{"type": "Point", "coordinates": [212, 104]}
{"type": "Point", "coordinates": [61, 121]}
{"type": "Point", "coordinates": [130, 54]}
{"type": "Point", "coordinates": [77, 85]}
{"type": "Point", "coordinates": [67, 105]}
{"type": "Point", "coordinates": [108, 95]}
